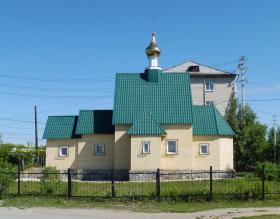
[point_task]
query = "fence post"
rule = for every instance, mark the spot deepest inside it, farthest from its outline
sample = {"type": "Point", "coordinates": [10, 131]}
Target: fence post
{"type": "Point", "coordinates": [113, 183]}
{"type": "Point", "coordinates": [211, 184]}
{"type": "Point", "coordinates": [18, 176]}
{"type": "Point", "coordinates": [263, 179]}
{"type": "Point", "coordinates": [69, 183]}
{"type": "Point", "coordinates": [158, 184]}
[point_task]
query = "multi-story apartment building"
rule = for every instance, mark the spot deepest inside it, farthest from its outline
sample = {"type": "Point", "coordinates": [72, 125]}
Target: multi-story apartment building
{"type": "Point", "coordinates": [210, 86]}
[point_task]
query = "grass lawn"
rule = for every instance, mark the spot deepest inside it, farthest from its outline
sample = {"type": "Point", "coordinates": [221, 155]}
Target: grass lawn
{"type": "Point", "coordinates": [237, 188]}
{"type": "Point", "coordinates": [143, 205]}
{"type": "Point", "coordinates": [262, 216]}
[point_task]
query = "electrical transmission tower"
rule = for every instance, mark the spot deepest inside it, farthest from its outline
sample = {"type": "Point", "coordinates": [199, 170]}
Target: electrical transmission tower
{"type": "Point", "coordinates": [241, 70]}
{"type": "Point", "coordinates": [274, 137]}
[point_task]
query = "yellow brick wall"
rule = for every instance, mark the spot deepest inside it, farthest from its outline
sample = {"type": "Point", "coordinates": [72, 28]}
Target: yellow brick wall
{"type": "Point", "coordinates": [122, 147]}
{"type": "Point", "coordinates": [124, 152]}
{"type": "Point", "coordinates": [183, 160]}
{"type": "Point", "coordinates": [61, 163]}
{"type": "Point", "coordinates": [226, 151]}
{"type": "Point", "coordinates": [220, 153]}
{"type": "Point", "coordinates": [203, 162]}
{"type": "Point", "coordinates": [88, 160]}
{"type": "Point", "coordinates": [140, 161]}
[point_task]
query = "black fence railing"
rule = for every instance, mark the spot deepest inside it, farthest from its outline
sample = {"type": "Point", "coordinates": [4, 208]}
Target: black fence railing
{"type": "Point", "coordinates": [158, 185]}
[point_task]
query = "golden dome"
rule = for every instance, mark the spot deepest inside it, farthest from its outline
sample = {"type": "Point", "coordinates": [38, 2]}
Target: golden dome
{"type": "Point", "coordinates": [152, 49]}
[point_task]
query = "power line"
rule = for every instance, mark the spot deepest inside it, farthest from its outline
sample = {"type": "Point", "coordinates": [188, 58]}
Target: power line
{"type": "Point", "coordinates": [19, 121]}
{"type": "Point", "coordinates": [52, 96]}
{"type": "Point", "coordinates": [263, 100]}
{"type": "Point", "coordinates": [21, 128]}
{"type": "Point", "coordinates": [63, 106]}
{"type": "Point", "coordinates": [251, 100]}
{"type": "Point", "coordinates": [15, 133]}
{"type": "Point", "coordinates": [267, 113]}
{"type": "Point", "coordinates": [52, 79]}
{"type": "Point", "coordinates": [225, 63]}
{"type": "Point", "coordinates": [56, 89]}
{"type": "Point", "coordinates": [266, 66]}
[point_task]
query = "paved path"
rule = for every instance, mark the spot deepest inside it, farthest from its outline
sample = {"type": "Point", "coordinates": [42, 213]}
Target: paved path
{"type": "Point", "coordinates": [49, 213]}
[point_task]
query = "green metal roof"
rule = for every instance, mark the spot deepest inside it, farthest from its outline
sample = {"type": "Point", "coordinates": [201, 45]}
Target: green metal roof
{"type": "Point", "coordinates": [95, 122]}
{"type": "Point", "coordinates": [85, 122]}
{"type": "Point", "coordinates": [146, 125]}
{"type": "Point", "coordinates": [169, 100]}
{"type": "Point", "coordinates": [146, 101]}
{"type": "Point", "coordinates": [208, 121]}
{"type": "Point", "coordinates": [60, 127]}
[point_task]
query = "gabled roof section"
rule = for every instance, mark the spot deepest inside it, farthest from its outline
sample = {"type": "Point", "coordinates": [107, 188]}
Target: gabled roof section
{"type": "Point", "coordinates": [85, 122]}
{"type": "Point", "coordinates": [168, 101]}
{"type": "Point", "coordinates": [208, 121]}
{"type": "Point", "coordinates": [95, 122]}
{"type": "Point", "coordinates": [222, 125]}
{"type": "Point", "coordinates": [203, 69]}
{"type": "Point", "coordinates": [60, 127]}
{"type": "Point", "coordinates": [146, 125]}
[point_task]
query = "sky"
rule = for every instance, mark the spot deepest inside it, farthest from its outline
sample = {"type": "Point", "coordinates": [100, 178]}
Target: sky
{"type": "Point", "coordinates": [62, 55]}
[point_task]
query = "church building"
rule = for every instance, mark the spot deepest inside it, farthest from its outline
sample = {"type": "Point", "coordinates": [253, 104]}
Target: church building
{"type": "Point", "coordinates": [153, 124]}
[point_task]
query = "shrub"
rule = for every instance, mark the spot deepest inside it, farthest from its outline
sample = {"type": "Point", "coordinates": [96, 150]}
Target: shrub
{"type": "Point", "coordinates": [7, 176]}
{"type": "Point", "coordinates": [272, 171]}
{"type": "Point", "coordinates": [51, 182]}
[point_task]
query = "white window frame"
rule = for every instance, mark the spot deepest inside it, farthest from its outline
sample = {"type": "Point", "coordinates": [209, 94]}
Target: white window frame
{"type": "Point", "coordinates": [210, 103]}
{"type": "Point", "coordinates": [208, 88]}
{"type": "Point", "coordinates": [95, 150]}
{"type": "Point", "coordinates": [200, 151]}
{"type": "Point", "coordinates": [60, 151]}
{"type": "Point", "coordinates": [143, 147]}
{"type": "Point", "coordinates": [167, 151]}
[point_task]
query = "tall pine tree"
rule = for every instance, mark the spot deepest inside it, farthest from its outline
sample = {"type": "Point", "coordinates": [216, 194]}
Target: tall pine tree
{"type": "Point", "coordinates": [250, 136]}
{"type": "Point", "coordinates": [269, 153]}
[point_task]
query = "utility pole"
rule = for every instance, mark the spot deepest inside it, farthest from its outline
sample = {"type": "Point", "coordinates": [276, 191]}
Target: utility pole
{"type": "Point", "coordinates": [242, 69]}
{"type": "Point", "coordinates": [274, 137]}
{"type": "Point", "coordinates": [36, 134]}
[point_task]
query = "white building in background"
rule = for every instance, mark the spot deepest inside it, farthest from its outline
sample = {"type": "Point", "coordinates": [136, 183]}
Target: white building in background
{"type": "Point", "coordinates": [209, 85]}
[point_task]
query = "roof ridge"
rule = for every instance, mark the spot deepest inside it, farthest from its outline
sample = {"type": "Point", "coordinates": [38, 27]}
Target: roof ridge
{"type": "Point", "coordinates": [156, 122]}
{"type": "Point", "coordinates": [216, 122]}
{"type": "Point", "coordinates": [144, 116]}
{"type": "Point", "coordinates": [198, 63]}
{"type": "Point", "coordinates": [64, 116]}
{"type": "Point", "coordinates": [149, 114]}
{"type": "Point", "coordinates": [129, 73]}
{"type": "Point", "coordinates": [202, 106]}
{"type": "Point", "coordinates": [181, 63]}
{"type": "Point", "coordinates": [95, 110]}
{"type": "Point", "coordinates": [208, 66]}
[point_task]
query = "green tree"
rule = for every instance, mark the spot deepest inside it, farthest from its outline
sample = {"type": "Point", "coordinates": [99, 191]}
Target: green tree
{"type": "Point", "coordinates": [231, 112]}
{"type": "Point", "coordinates": [1, 141]}
{"type": "Point", "coordinates": [250, 136]}
{"type": "Point", "coordinates": [269, 153]}
{"type": "Point", "coordinates": [11, 153]}
{"type": "Point", "coordinates": [250, 142]}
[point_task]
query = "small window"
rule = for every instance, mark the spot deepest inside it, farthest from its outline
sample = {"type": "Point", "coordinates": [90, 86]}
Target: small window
{"type": "Point", "coordinates": [172, 147]}
{"type": "Point", "coordinates": [209, 103]}
{"type": "Point", "coordinates": [64, 151]}
{"type": "Point", "coordinates": [145, 147]}
{"type": "Point", "coordinates": [209, 86]}
{"type": "Point", "coordinates": [204, 149]}
{"type": "Point", "coordinates": [99, 149]}
{"type": "Point", "coordinates": [193, 68]}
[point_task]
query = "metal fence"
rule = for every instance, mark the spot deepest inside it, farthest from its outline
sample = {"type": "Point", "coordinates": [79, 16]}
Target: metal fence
{"type": "Point", "coordinates": [189, 185]}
